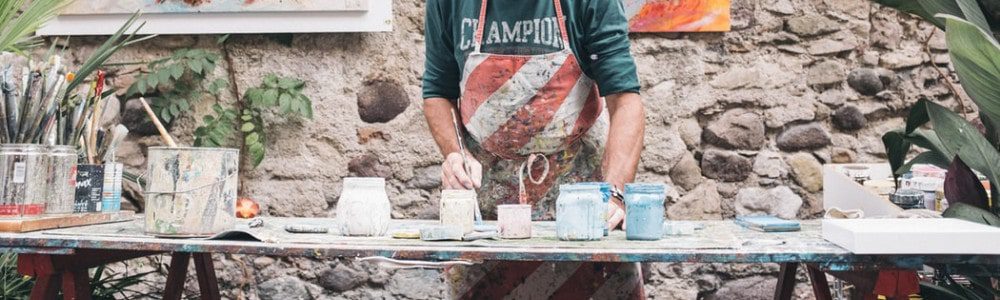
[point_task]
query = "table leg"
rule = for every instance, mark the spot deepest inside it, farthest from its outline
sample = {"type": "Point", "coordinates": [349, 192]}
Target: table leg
{"type": "Point", "coordinates": [76, 285]}
{"type": "Point", "coordinates": [176, 275]}
{"type": "Point", "coordinates": [207, 281]}
{"type": "Point", "coordinates": [46, 287]}
{"type": "Point", "coordinates": [786, 281]}
{"type": "Point", "coordinates": [821, 288]}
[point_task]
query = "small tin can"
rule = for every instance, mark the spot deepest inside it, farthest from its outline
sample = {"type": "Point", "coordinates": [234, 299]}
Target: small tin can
{"type": "Point", "coordinates": [458, 208]}
{"type": "Point", "coordinates": [644, 213]}
{"type": "Point", "coordinates": [514, 221]}
{"type": "Point", "coordinates": [908, 198]}
{"type": "Point", "coordinates": [578, 213]}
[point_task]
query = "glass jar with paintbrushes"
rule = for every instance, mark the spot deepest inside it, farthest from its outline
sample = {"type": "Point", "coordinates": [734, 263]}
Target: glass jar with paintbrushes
{"type": "Point", "coordinates": [31, 93]}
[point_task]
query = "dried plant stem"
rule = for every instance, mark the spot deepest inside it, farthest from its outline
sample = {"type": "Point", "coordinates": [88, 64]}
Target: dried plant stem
{"type": "Point", "coordinates": [944, 76]}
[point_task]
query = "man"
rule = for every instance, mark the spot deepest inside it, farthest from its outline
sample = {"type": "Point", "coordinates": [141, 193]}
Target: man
{"type": "Point", "coordinates": [525, 79]}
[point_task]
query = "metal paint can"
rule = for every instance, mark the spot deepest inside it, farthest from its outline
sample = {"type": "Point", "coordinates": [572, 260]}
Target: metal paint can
{"type": "Point", "coordinates": [514, 221]}
{"type": "Point", "coordinates": [23, 177]}
{"type": "Point", "coordinates": [578, 213]}
{"type": "Point", "coordinates": [363, 208]}
{"type": "Point", "coordinates": [606, 192]}
{"type": "Point", "coordinates": [61, 179]}
{"type": "Point", "coordinates": [191, 192]}
{"type": "Point", "coordinates": [458, 208]}
{"type": "Point", "coordinates": [644, 213]}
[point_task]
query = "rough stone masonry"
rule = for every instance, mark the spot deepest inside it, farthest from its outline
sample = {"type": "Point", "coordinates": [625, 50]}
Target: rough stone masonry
{"type": "Point", "coordinates": [738, 123]}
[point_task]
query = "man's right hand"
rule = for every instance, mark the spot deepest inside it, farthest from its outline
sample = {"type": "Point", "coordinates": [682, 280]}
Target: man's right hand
{"type": "Point", "coordinates": [455, 176]}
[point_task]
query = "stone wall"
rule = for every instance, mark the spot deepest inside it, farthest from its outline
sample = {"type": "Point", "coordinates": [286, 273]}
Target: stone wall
{"type": "Point", "coordinates": [738, 122]}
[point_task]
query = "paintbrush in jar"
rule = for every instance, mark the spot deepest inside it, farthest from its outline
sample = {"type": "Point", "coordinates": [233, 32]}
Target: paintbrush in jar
{"type": "Point", "coordinates": [465, 162]}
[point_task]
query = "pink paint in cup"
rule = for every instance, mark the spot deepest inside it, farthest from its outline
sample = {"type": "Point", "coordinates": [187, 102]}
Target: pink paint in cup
{"type": "Point", "coordinates": [514, 221]}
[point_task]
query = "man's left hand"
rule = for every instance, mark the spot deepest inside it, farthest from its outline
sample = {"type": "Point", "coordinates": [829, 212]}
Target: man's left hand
{"type": "Point", "coordinates": [616, 213]}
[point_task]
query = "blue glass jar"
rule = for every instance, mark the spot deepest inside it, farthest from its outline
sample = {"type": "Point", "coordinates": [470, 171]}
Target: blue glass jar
{"type": "Point", "coordinates": [578, 213]}
{"type": "Point", "coordinates": [606, 193]}
{"type": "Point", "coordinates": [644, 213]}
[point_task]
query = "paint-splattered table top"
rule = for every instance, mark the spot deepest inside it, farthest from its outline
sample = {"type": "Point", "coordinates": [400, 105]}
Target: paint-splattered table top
{"type": "Point", "coordinates": [717, 242]}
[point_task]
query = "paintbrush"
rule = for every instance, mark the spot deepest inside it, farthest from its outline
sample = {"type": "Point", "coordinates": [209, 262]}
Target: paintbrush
{"type": "Point", "coordinates": [118, 134]}
{"type": "Point", "coordinates": [468, 169]}
{"type": "Point", "coordinates": [159, 126]}
{"type": "Point", "coordinates": [10, 94]}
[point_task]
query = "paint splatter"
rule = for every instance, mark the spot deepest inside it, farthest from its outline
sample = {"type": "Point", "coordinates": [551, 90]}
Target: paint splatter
{"type": "Point", "coordinates": [678, 15]}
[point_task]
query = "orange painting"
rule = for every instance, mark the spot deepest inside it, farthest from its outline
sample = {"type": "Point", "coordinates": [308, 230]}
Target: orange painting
{"type": "Point", "coordinates": [677, 15]}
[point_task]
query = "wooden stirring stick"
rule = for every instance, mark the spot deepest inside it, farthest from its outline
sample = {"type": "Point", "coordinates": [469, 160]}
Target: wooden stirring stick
{"type": "Point", "coordinates": [156, 121]}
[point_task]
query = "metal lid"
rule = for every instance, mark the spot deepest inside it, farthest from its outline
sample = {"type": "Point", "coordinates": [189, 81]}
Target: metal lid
{"type": "Point", "coordinates": [907, 198]}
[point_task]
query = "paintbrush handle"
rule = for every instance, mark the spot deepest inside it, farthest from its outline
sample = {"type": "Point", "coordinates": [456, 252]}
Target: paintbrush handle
{"type": "Point", "coordinates": [156, 121]}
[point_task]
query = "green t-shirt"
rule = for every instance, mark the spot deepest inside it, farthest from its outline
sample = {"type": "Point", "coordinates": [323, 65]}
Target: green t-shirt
{"type": "Point", "coordinates": [598, 34]}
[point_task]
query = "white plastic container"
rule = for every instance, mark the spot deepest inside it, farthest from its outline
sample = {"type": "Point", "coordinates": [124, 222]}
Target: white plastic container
{"type": "Point", "coordinates": [458, 208]}
{"type": "Point", "coordinates": [363, 208]}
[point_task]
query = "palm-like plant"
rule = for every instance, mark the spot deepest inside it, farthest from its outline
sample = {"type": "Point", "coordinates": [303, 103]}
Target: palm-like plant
{"type": "Point", "coordinates": [19, 22]}
{"type": "Point", "coordinates": [953, 142]}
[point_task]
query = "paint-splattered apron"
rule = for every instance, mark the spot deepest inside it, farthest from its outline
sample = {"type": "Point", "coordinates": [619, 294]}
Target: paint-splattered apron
{"type": "Point", "coordinates": [516, 106]}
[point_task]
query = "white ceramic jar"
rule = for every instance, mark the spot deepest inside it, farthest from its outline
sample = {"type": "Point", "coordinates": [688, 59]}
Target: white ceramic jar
{"type": "Point", "coordinates": [458, 208]}
{"type": "Point", "coordinates": [363, 208]}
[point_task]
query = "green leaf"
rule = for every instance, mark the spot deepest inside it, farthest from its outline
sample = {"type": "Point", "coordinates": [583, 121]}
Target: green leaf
{"type": "Point", "coordinates": [285, 102]}
{"type": "Point", "coordinates": [972, 13]}
{"type": "Point", "coordinates": [246, 117]}
{"type": "Point", "coordinates": [164, 75]}
{"type": "Point", "coordinates": [926, 157]}
{"type": "Point", "coordinates": [217, 108]}
{"type": "Point", "coordinates": [140, 85]}
{"type": "Point", "coordinates": [183, 105]}
{"type": "Point", "coordinates": [206, 119]}
{"type": "Point", "coordinates": [971, 213]}
{"type": "Point", "coordinates": [195, 66]}
{"type": "Point", "coordinates": [270, 97]}
{"type": "Point", "coordinates": [175, 110]}
{"type": "Point", "coordinates": [271, 81]}
{"type": "Point", "coordinates": [289, 83]}
{"type": "Point", "coordinates": [976, 57]}
{"type": "Point", "coordinates": [913, 7]}
{"type": "Point", "coordinates": [222, 39]}
{"type": "Point", "coordinates": [896, 147]}
{"type": "Point", "coordinates": [931, 291]}
{"type": "Point", "coordinates": [308, 108]}
{"type": "Point", "coordinates": [253, 138]}
{"type": "Point", "coordinates": [248, 127]}
{"type": "Point", "coordinates": [971, 146]}
{"type": "Point", "coordinates": [152, 81]}
{"type": "Point", "coordinates": [256, 153]}
{"type": "Point", "coordinates": [176, 71]}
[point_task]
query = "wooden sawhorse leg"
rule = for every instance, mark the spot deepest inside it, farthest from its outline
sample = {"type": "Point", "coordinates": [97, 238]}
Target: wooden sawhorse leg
{"type": "Point", "coordinates": [68, 272]}
{"type": "Point", "coordinates": [786, 282]}
{"type": "Point", "coordinates": [177, 273]}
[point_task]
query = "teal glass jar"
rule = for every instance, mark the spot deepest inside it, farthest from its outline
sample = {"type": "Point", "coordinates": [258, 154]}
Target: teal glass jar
{"type": "Point", "coordinates": [644, 213]}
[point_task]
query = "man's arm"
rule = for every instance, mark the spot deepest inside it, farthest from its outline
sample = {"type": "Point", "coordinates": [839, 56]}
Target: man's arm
{"type": "Point", "coordinates": [438, 112]}
{"type": "Point", "coordinates": [625, 140]}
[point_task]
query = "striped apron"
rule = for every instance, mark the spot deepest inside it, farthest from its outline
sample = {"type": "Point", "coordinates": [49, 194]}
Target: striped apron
{"type": "Point", "coordinates": [517, 106]}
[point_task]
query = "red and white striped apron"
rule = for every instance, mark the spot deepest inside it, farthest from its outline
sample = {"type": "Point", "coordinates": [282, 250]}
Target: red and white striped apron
{"type": "Point", "coordinates": [514, 106]}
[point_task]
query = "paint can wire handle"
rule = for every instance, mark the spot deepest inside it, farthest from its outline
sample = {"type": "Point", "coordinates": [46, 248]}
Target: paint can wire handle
{"type": "Point", "coordinates": [213, 184]}
{"type": "Point", "coordinates": [407, 264]}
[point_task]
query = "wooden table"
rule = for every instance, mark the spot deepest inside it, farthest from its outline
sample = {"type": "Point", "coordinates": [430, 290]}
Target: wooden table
{"type": "Point", "coordinates": [60, 258]}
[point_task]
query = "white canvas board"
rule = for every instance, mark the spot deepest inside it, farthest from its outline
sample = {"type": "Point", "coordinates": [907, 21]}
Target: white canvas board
{"type": "Point", "coordinates": [844, 193]}
{"type": "Point", "coordinates": [912, 236]}
{"type": "Point", "coordinates": [377, 18]}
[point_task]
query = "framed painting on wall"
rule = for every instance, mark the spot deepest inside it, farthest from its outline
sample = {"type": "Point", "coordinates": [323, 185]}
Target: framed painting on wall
{"type": "Point", "coordinates": [677, 15]}
{"type": "Point", "coordinates": [101, 17]}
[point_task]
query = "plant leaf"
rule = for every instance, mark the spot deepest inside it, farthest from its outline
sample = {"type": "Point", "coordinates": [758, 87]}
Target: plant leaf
{"type": "Point", "coordinates": [248, 127]}
{"type": "Point", "coordinates": [971, 213]}
{"type": "Point", "coordinates": [926, 157]}
{"type": "Point", "coordinates": [913, 7]}
{"type": "Point", "coordinates": [976, 57]}
{"type": "Point", "coordinates": [962, 185]}
{"type": "Point", "coordinates": [270, 97]}
{"type": "Point", "coordinates": [973, 148]}
{"type": "Point", "coordinates": [896, 147]}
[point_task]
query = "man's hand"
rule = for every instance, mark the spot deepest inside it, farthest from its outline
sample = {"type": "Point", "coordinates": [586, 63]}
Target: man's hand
{"type": "Point", "coordinates": [616, 213]}
{"type": "Point", "coordinates": [455, 175]}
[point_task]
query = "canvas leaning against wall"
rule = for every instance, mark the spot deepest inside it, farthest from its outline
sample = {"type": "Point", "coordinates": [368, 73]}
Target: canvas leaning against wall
{"type": "Point", "coordinates": [103, 17]}
{"type": "Point", "coordinates": [677, 15]}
